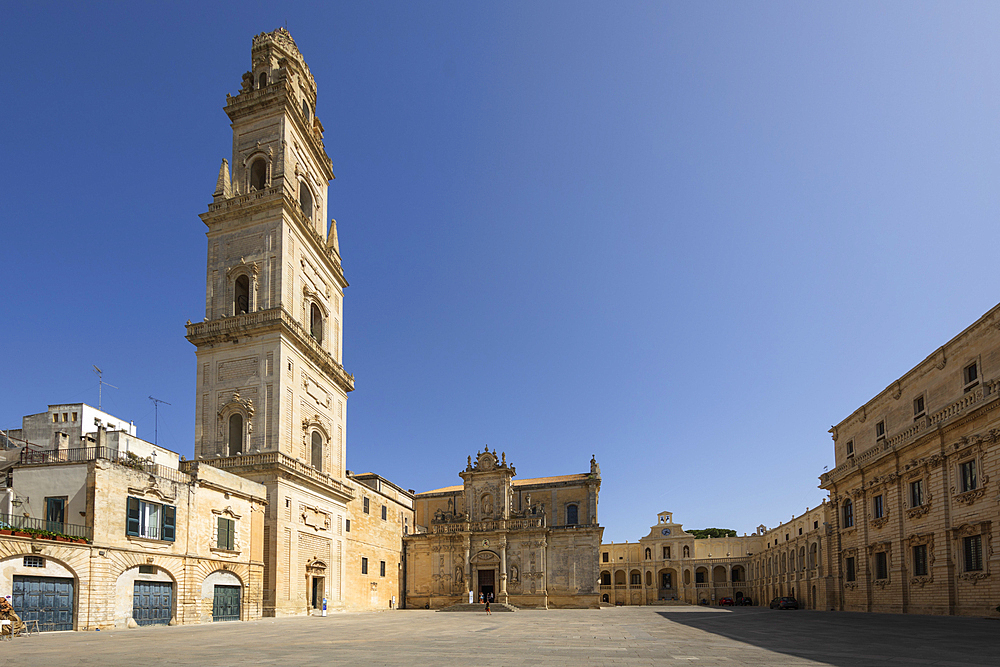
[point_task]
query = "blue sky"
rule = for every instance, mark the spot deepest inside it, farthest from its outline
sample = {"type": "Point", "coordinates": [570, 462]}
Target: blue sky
{"type": "Point", "coordinates": [684, 237]}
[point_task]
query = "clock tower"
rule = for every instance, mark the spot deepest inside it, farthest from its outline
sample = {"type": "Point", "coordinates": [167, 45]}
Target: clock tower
{"type": "Point", "coordinates": [271, 388]}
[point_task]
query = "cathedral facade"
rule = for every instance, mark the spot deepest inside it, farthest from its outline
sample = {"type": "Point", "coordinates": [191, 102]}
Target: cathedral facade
{"type": "Point", "coordinates": [526, 542]}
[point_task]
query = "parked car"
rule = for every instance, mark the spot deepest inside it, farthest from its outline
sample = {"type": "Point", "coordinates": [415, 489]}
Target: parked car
{"type": "Point", "coordinates": [784, 603]}
{"type": "Point", "coordinates": [746, 602]}
{"type": "Point", "coordinates": [726, 602]}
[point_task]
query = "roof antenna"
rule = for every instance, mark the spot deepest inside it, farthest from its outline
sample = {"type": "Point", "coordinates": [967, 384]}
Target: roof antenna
{"type": "Point", "coordinates": [156, 416]}
{"type": "Point", "coordinates": [100, 385]}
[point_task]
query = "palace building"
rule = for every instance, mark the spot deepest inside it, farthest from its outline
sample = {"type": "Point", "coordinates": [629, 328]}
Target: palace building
{"type": "Point", "coordinates": [914, 490]}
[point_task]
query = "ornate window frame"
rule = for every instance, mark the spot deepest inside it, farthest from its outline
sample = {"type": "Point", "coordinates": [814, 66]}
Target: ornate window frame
{"type": "Point", "coordinates": [851, 552]}
{"type": "Point", "coordinates": [315, 424]}
{"type": "Point", "coordinates": [883, 547]}
{"type": "Point", "coordinates": [923, 539]}
{"type": "Point", "coordinates": [958, 534]}
{"type": "Point", "coordinates": [241, 406]}
{"type": "Point", "coordinates": [248, 160]}
{"type": "Point", "coordinates": [252, 271]}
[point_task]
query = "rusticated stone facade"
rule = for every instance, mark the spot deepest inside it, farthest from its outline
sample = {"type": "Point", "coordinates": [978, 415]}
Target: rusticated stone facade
{"type": "Point", "coordinates": [914, 501]}
{"type": "Point", "coordinates": [530, 542]}
{"type": "Point", "coordinates": [214, 537]}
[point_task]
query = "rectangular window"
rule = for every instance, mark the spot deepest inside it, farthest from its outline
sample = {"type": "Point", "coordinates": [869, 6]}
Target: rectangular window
{"type": "Point", "coordinates": [918, 406]}
{"type": "Point", "coordinates": [366, 506]}
{"type": "Point", "coordinates": [381, 568]}
{"type": "Point", "coordinates": [604, 557]}
{"type": "Point", "coordinates": [74, 416]}
{"type": "Point", "coordinates": [55, 418]}
{"type": "Point", "coordinates": [973, 546]}
{"type": "Point", "coordinates": [878, 507]}
{"type": "Point", "coordinates": [970, 376]}
{"type": "Point", "coordinates": [917, 493]}
{"type": "Point", "coordinates": [848, 514]}
{"type": "Point", "coordinates": [147, 569]}
{"type": "Point", "coordinates": [150, 520]}
{"type": "Point", "coordinates": [347, 526]}
{"type": "Point", "coordinates": [967, 475]}
{"type": "Point", "coordinates": [34, 561]}
{"type": "Point", "coordinates": [364, 566]}
{"type": "Point", "coordinates": [920, 560]}
{"type": "Point", "coordinates": [881, 565]}
{"type": "Point", "coordinates": [800, 531]}
{"type": "Point", "coordinates": [55, 514]}
{"type": "Point", "coordinates": [850, 448]}
{"type": "Point", "coordinates": [880, 430]}
{"type": "Point", "coordinates": [384, 510]}
{"type": "Point", "coordinates": [227, 534]}
{"type": "Point", "coordinates": [850, 573]}
{"type": "Point", "coordinates": [815, 525]}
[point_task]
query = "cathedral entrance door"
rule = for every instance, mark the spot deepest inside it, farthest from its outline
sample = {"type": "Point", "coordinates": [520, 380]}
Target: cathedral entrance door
{"type": "Point", "coordinates": [486, 583]}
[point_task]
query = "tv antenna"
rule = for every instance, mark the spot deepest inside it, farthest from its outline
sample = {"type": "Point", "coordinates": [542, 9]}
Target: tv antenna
{"type": "Point", "coordinates": [100, 385]}
{"type": "Point", "coordinates": [156, 416]}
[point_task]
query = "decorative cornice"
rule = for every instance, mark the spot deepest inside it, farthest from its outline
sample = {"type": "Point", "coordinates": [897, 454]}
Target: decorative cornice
{"type": "Point", "coordinates": [274, 319]}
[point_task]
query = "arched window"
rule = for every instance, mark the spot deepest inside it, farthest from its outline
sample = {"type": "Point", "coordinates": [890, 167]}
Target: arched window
{"type": "Point", "coordinates": [605, 578]}
{"type": "Point", "coordinates": [258, 174]}
{"type": "Point", "coordinates": [262, 80]}
{"type": "Point", "coordinates": [571, 515]}
{"type": "Point", "coordinates": [235, 434]}
{"type": "Point", "coordinates": [305, 200]}
{"type": "Point", "coordinates": [317, 450]}
{"type": "Point", "coordinates": [649, 553]}
{"type": "Point", "coordinates": [316, 323]}
{"type": "Point", "coordinates": [813, 552]}
{"type": "Point", "coordinates": [802, 558]}
{"type": "Point", "coordinates": [241, 296]}
{"type": "Point", "coordinates": [649, 578]}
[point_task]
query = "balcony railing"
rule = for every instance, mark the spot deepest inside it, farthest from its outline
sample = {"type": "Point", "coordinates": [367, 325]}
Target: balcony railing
{"type": "Point", "coordinates": [493, 525]}
{"type": "Point", "coordinates": [275, 458]}
{"type": "Point", "coordinates": [13, 522]}
{"type": "Point", "coordinates": [113, 454]}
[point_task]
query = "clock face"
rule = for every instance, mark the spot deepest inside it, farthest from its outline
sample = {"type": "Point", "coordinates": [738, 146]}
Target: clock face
{"type": "Point", "coordinates": [665, 531]}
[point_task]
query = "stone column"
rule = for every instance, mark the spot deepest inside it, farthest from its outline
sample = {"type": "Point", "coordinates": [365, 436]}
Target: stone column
{"type": "Point", "coordinates": [466, 544]}
{"type": "Point", "coordinates": [502, 597]}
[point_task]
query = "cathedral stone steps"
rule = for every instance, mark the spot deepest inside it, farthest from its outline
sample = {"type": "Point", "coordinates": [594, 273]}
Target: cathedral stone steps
{"type": "Point", "coordinates": [481, 608]}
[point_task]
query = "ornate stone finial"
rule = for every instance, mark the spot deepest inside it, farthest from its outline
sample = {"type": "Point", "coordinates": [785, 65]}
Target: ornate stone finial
{"type": "Point", "coordinates": [332, 241]}
{"type": "Point", "coordinates": [503, 458]}
{"type": "Point", "coordinates": [469, 466]}
{"type": "Point", "coordinates": [594, 468]}
{"type": "Point", "coordinates": [223, 185]}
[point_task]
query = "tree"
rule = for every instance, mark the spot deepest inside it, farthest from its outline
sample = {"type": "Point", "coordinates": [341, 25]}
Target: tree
{"type": "Point", "coordinates": [712, 532]}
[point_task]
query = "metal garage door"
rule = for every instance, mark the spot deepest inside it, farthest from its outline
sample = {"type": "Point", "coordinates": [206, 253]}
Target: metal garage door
{"type": "Point", "coordinates": [226, 606]}
{"type": "Point", "coordinates": [48, 600]}
{"type": "Point", "coordinates": [152, 602]}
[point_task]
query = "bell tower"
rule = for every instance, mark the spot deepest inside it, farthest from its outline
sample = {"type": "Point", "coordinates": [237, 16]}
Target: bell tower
{"type": "Point", "coordinates": [271, 388]}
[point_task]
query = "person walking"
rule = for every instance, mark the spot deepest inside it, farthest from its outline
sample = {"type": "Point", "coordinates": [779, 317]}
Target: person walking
{"type": "Point", "coordinates": [488, 612]}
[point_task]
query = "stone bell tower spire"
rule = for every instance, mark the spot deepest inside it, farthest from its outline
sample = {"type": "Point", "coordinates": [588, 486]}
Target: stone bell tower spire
{"type": "Point", "coordinates": [271, 388]}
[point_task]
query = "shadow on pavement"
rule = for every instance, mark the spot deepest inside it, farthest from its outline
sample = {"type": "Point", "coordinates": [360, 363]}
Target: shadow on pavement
{"type": "Point", "coordinates": [852, 639]}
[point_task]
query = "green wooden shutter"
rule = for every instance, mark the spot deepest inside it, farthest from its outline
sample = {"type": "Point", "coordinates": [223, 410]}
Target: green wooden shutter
{"type": "Point", "coordinates": [132, 517]}
{"type": "Point", "coordinates": [169, 522]}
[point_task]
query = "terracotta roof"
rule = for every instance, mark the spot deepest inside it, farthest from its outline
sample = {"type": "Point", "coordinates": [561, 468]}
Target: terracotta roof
{"type": "Point", "coordinates": [517, 482]}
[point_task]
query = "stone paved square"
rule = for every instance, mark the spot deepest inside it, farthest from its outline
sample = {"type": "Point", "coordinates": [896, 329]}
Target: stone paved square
{"type": "Point", "coordinates": [611, 636]}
